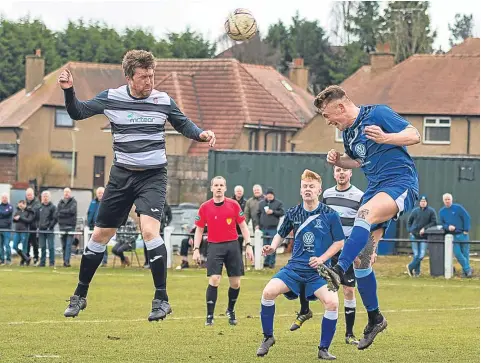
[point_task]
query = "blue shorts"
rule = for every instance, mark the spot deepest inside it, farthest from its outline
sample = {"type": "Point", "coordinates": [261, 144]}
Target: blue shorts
{"type": "Point", "coordinates": [404, 194]}
{"type": "Point", "coordinates": [295, 279]}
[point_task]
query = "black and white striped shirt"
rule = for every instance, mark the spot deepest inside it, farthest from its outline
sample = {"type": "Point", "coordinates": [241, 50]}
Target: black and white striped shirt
{"type": "Point", "coordinates": [346, 203]}
{"type": "Point", "coordinates": [138, 125]}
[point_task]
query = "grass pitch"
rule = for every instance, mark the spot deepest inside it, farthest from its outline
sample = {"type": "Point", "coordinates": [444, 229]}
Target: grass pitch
{"type": "Point", "coordinates": [430, 320]}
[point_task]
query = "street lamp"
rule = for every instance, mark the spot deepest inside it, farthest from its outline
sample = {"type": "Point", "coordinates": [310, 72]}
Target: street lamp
{"type": "Point", "coordinates": [72, 170]}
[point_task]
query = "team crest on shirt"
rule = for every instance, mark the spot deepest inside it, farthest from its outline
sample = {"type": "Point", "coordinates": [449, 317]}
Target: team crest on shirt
{"type": "Point", "coordinates": [229, 221]}
{"type": "Point", "coordinates": [318, 224]}
{"type": "Point", "coordinates": [360, 150]}
{"type": "Point", "coordinates": [308, 240]}
{"type": "Point", "coordinates": [156, 100]}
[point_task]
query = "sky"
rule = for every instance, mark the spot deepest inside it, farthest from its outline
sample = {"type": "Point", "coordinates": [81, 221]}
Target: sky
{"type": "Point", "coordinates": [207, 16]}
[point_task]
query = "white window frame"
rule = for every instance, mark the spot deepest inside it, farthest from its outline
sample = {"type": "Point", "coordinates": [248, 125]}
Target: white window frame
{"type": "Point", "coordinates": [338, 135]}
{"type": "Point", "coordinates": [436, 124]}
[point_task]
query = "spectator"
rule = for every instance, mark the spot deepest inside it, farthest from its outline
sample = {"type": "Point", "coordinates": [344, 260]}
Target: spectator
{"type": "Point", "coordinates": [22, 219]}
{"type": "Point", "coordinates": [421, 218]}
{"type": "Point", "coordinates": [252, 206]}
{"type": "Point", "coordinates": [46, 222]}
{"type": "Point", "coordinates": [33, 204]}
{"type": "Point", "coordinates": [125, 240]}
{"type": "Point", "coordinates": [92, 216]}
{"type": "Point", "coordinates": [189, 242]}
{"type": "Point", "coordinates": [67, 220]}
{"type": "Point", "coordinates": [239, 198]}
{"type": "Point", "coordinates": [270, 212]}
{"type": "Point", "coordinates": [6, 212]}
{"type": "Point", "coordinates": [456, 221]}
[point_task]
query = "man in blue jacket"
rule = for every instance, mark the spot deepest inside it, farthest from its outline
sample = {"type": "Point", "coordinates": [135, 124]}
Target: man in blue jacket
{"type": "Point", "coordinates": [456, 221]}
{"type": "Point", "coordinates": [6, 213]}
{"type": "Point", "coordinates": [421, 218]}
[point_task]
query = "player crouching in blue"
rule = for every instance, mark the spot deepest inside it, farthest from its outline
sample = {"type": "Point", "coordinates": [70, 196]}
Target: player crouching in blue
{"type": "Point", "coordinates": [318, 236]}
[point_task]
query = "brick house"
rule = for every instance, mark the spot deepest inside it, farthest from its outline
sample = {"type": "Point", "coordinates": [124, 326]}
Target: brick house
{"type": "Point", "coordinates": [438, 94]}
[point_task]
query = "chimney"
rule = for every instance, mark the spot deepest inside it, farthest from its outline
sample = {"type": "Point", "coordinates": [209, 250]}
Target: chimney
{"type": "Point", "coordinates": [34, 70]}
{"type": "Point", "coordinates": [298, 73]}
{"type": "Point", "coordinates": [382, 59]}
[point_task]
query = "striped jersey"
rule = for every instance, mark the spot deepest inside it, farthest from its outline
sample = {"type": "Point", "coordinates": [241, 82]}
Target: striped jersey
{"type": "Point", "coordinates": [314, 232]}
{"type": "Point", "coordinates": [346, 203]}
{"type": "Point", "coordinates": [137, 124]}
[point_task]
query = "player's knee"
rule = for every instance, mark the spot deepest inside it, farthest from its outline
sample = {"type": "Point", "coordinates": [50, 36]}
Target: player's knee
{"type": "Point", "coordinates": [234, 283]}
{"type": "Point", "coordinates": [214, 280]}
{"type": "Point", "coordinates": [348, 293]}
{"type": "Point", "coordinates": [102, 235]}
{"type": "Point", "coordinates": [269, 293]}
{"type": "Point", "coordinates": [149, 235]}
{"type": "Point", "coordinates": [331, 304]}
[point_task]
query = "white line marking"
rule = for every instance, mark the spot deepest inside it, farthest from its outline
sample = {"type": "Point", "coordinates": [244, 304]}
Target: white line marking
{"type": "Point", "coordinates": [72, 321]}
{"type": "Point", "coordinates": [45, 356]}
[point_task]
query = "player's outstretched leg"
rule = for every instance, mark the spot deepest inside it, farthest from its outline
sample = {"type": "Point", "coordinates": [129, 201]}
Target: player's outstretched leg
{"type": "Point", "coordinates": [268, 309]}
{"type": "Point", "coordinates": [91, 259]}
{"type": "Point", "coordinates": [157, 253]}
{"type": "Point", "coordinates": [305, 313]}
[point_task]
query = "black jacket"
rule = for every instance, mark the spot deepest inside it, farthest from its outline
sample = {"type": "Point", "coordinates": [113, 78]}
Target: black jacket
{"type": "Point", "coordinates": [34, 205]}
{"type": "Point", "coordinates": [26, 218]}
{"type": "Point", "coordinates": [242, 203]}
{"type": "Point", "coordinates": [67, 213]}
{"type": "Point", "coordinates": [270, 221]}
{"type": "Point", "coordinates": [47, 217]}
{"type": "Point", "coordinates": [421, 218]}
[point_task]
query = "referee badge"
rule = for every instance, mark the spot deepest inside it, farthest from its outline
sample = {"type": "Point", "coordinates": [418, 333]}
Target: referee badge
{"type": "Point", "coordinates": [197, 218]}
{"type": "Point", "coordinates": [241, 213]}
{"type": "Point", "coordinates": [229, 221]}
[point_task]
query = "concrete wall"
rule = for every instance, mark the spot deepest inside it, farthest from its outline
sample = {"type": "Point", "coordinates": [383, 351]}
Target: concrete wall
{"type": "Point", "coordinates": [187, 179]}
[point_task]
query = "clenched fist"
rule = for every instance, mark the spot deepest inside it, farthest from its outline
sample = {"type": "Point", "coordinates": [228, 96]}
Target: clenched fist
{"type": "Point", "coordinates": [333, 157]}
{"type": "Point", "coordinates": [65, 80]}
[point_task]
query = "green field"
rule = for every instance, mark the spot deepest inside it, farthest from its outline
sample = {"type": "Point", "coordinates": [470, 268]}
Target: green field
{"type": "Point", "coordinates": [430, 320]}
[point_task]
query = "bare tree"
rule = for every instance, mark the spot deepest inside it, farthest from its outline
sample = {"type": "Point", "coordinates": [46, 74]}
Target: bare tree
{"type": "Point", "coordinates": [47, 170]}
{"type": "Point", "coordinates": [340, 20]}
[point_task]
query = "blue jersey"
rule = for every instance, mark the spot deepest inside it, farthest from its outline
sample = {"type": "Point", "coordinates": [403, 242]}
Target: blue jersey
{"type": "Point", "coordinates": [380, 163]}
{"type": "Point", "coordinates": [314, 233]}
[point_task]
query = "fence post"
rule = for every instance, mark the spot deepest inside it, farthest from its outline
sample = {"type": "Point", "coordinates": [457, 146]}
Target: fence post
{"type": "Point", "coordinates": [168, 244]}
{"type": "Point", "coordinates": [258, 249]}
{"type": "Point", "coordinates": [86, 237]}
{"type": "Point", "coordinates": [448, 256]}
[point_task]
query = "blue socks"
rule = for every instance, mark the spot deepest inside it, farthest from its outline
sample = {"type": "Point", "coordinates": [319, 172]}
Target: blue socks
{"type": "Point", "coordinates": [355, 243]}
{"type": "Point", "coordinates": [328, 328]}
{"type": "Point", "coordinates": [367, 287]}
{"type": "Point", "coordinates": [268, 310]}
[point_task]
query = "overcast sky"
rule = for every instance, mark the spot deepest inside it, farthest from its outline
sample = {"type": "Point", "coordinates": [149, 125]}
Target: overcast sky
{"type": "Point", "coordinates": [207, 16]}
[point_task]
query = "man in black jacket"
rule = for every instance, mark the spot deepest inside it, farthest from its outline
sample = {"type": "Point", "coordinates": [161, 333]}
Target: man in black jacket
{"type": "Point", "coordinates": [22, 218]}
{"type": "Point", "coordinates": [67, 220]}
{"type": "Point", "coordinates": [421, 218]}
{"type": "Point", "coordinates": [6, 213]}
{"type": "Point", "coordinates": [270, 212]}
{"type": "Point", "coordinates": [47, 219]}
{"type": "Point", "coordinates": [239, 198]}
{"type": "Point", "coordinates": [34, 205]}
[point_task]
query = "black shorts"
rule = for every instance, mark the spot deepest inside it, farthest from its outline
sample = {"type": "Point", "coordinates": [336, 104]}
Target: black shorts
{"type": "Point", "coordinates": [146, 189]}
{"type": "Point", "coordinates": [225, 253]}
{"type": "Point", "coordinates": [348, 279]}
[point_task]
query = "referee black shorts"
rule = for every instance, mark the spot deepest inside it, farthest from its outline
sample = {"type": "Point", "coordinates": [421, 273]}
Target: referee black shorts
{"type": "Point", "coordinates": [145, 188]}
{"type": "Point", "coordinates": [348, 279]}
{"type": "Point", "coordinates": [225, 253]}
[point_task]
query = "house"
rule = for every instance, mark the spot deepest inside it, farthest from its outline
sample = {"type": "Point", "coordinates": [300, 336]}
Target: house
{"type": "Point", "coordinates": [438, 94]}
{"type": "Point", "coordinates": [249, 107]}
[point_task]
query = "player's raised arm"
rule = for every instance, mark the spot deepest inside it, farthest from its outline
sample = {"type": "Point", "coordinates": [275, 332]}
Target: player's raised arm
{"type": "Point", "coordinates": [186, 127]}
{"type": "Point", "coordinates": [79, 110]}
{"type": "Point", "coordinates": [392, 129]}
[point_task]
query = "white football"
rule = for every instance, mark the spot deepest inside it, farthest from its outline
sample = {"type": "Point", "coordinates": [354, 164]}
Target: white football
{"type": "Point", "coordinates": [240, 25]}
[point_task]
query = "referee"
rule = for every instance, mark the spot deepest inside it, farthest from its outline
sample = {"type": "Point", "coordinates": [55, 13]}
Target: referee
{"type": "Point", "coordinates": [345, 199]}
{"type": "Point", "coordinates": [222, 215]}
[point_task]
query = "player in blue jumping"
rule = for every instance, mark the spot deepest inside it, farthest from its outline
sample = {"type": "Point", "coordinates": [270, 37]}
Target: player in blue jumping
{"type": "Point", "coordinates": [318, 236]}
{"type": "Point", "coordinates": [375, 140]}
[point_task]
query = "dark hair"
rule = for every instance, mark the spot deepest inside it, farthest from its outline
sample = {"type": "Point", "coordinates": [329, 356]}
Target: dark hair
{"type": "Point", "coordinates": [137, 59]}
{"type": "Point", "coordinates": [22, 201]}
{"type": "Point", "coordinates": [329, 94]}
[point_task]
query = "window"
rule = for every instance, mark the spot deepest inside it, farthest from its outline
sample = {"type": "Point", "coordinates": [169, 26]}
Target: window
{"type": "Point", "coordinates": [274, 141]}
{"type": "Point", "coordinates": [338, 136]}
{"type": "Point", "coordinates": [66, 158]}
{"type": "Point", "coordinates": [62, 118]}
{"type": "Point", "coordinates": [437, 130]}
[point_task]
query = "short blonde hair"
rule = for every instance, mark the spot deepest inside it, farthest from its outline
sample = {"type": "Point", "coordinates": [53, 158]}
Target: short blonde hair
{"type": "Point", "coordinates": [311, 175]}
{"type": "Point", "coordinates": [329, 94]}
{"type": "Point", "coordinates": [218, 177]}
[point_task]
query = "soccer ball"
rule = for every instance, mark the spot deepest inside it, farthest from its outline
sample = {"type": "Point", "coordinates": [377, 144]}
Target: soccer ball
{"type": "Point", "coordinates": [240, 25]}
